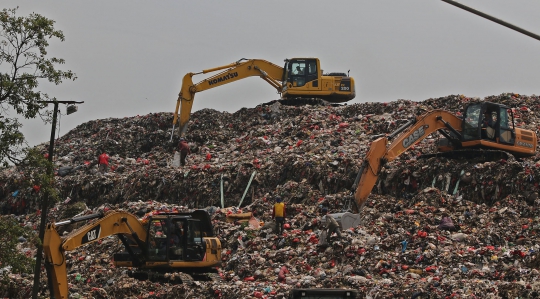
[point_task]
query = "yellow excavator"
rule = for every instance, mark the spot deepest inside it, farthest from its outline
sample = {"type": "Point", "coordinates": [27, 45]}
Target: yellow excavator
{"type": "Point", "coordinates": [300, 79]}
{"type": "Point", "coordinates": [486, 129]}
{"type": "Point", "coordinates": [162, 245]}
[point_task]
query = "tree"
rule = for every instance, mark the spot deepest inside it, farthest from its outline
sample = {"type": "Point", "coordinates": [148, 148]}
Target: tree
{"type": "Point", "coordinates": [14, 240]}
{"type": "Point", "coordinates": [10, 257]}
{"type": "Point", "coordinates": [23, 65]}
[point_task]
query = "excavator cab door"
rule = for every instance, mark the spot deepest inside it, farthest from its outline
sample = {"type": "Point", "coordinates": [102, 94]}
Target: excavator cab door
{"type": "Point", "coordinates": [497, 125]}
{"type": "Point", "coordinates": [472, 122]}
{"type": "Point", "coordinates": [507, 134]}
{"type": "Point", "coordinates": [195, 247]}
{"type": "Point", "coordinates": [177, 240]}
{"type": "Point", "coordinates": [157, 239]}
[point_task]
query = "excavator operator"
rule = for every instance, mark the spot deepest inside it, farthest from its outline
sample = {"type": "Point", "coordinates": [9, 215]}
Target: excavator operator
{"type": "Point", "coordinates": [177, 240]}
{"type": "Point", "coordinates": [488, 125]}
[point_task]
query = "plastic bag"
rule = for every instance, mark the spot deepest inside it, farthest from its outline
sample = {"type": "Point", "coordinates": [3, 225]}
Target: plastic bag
{"type": "Point", "coordinates": [253, 222]}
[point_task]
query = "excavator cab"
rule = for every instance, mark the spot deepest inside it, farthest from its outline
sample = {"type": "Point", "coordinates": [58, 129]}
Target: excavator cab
{"type": "Point", "coordinates": [303, 78]}
{"type": "Point", "coordinates": [302, 71]}
{"type": "Point", "coordinates": [490, 122]}
{"type": "Point", "coordinates": [490, 126]}
{"type": "Point", "coordinates": [175, 238]}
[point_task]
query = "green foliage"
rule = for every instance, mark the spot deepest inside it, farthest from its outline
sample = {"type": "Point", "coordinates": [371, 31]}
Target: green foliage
{"type": "Point", "coordinates": [24, 61]}
{"type": "Point", "coordinates": [9, 255]}
{"type": "Point", "coordinates": [39, 171]}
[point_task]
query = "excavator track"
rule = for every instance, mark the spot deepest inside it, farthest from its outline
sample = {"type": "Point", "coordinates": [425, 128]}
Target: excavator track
{"type": "Point", "coordinates": [185, 278]}
{"type": "Point", "coordinates": [473, 155]}
{"type": "Point", "coordinates": [215, 277]}
{"type": "Point", "coordinates": [301, 102]}
{"type": "Point", "coordinates": [176, 277]}
{"type": "Point", "coordinates": [173, 277]}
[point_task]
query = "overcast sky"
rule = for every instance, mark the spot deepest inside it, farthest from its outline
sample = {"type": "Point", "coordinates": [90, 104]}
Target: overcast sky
{"type": "Point", "coordinates": [130, 56]}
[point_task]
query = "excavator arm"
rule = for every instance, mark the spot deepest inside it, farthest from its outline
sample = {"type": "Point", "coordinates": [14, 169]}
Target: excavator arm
{"type": "Point", "coordinates": [403, 138]}
{"type": "Point", "coordinates": [243, 68]}
{"type": "Point", "coordinates": [54, 246]}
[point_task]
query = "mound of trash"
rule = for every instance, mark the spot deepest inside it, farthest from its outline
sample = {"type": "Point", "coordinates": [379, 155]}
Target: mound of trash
{"type": "Point", "coordinates": [432, 227]}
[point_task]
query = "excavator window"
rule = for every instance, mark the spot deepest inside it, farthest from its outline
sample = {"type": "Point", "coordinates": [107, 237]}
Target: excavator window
{"type": "Point", "coordinates": [507, 134]}
{"type": "Point", "coordinates": [312, 68]}
{"type": "Point", "coordinates": [498, 125]}
{"type": "Point", "coordinates": [312, 73]}
{"type": "Point", "coordinates": [157, 239]}
{"type": "Point", "coordinates": [177, 241]}
{"type": "Point", "coordinates": [303, 71]}
{"type": "Point", "coordinates": [297, 77]}
{"type": "Point", "coordinates": [471, 123]}
{"type": "Point", "coordinates": [504, 118]}
{"type": "Point", "coordinates": [195, 247]}
{"type": "Point", "coordinates": [489, 124]}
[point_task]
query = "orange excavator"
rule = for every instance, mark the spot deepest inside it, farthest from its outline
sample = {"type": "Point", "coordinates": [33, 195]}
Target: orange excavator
{"type": "Point", "coordinates": [461, 135]}
{"type": "Point", "coordinates": [485, 129]}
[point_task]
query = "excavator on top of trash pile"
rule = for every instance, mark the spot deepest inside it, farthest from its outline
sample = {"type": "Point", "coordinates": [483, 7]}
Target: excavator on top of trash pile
{"type": "Point", "coordinates": [300, 81]}
{"type": "Point", "coordinates": [162, 245]}
{"type": "Point", "coordinates": [485, 130]}
{"type": "Point", "coordinates": [460, 133]}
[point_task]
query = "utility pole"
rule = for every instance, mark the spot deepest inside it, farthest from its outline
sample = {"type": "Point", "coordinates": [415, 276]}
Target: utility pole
{"type": "Point", "coordinates": [45, 200]}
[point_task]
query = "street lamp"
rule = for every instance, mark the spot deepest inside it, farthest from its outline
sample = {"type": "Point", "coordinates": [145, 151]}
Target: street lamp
{"type": "Point", "coordinates": [45, 201]}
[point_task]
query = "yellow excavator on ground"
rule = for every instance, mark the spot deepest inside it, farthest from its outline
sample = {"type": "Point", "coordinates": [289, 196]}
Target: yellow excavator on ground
{"type": "Point", "coordinates": [181, 243]}
{"type": "Point", "coordinates": [486, 129]}
{"type": "Point", "coordinates": [300, 80]}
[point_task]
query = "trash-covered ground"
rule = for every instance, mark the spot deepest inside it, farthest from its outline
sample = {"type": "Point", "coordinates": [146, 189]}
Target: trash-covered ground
{"type": "Point", "coordinates": [309, 156]}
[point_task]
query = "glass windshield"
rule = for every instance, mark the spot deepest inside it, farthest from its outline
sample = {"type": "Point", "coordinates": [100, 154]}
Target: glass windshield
{"type": "Point", "coordinates": [471, 123]}
{"type": "Point", "coordinates": [298, 67]}
{"type": "Point", "coordinates": [157, 239]}
{"type": "Point", "coordinates": [505, 121]}
{"type": "Point", "coordinates": [194, 232]}
{"type": "Point", "coordinates": [312, 68]}
{"type": "Point", "coordinates": [297, 73]}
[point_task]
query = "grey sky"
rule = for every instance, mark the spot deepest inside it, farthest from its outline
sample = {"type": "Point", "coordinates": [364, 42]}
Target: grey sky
{"type": "Point", "coordinates": [130, 56]}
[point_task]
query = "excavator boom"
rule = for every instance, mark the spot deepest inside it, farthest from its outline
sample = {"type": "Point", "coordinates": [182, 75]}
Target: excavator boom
{"type": "Point", "coordinates": [413, 132]}
{"type": "Point", "coordinates": [471, 132]}
{"type": "Point", "coordinates": [243, 68]}
{"type": "Point", "coordinates": [54, 246]}
{"type": "Point", "coordinates": [301, 80]}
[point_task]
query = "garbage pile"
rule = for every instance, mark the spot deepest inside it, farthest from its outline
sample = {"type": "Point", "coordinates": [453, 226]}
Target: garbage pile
{"type": "Point", "coordinates": [309, 156]}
